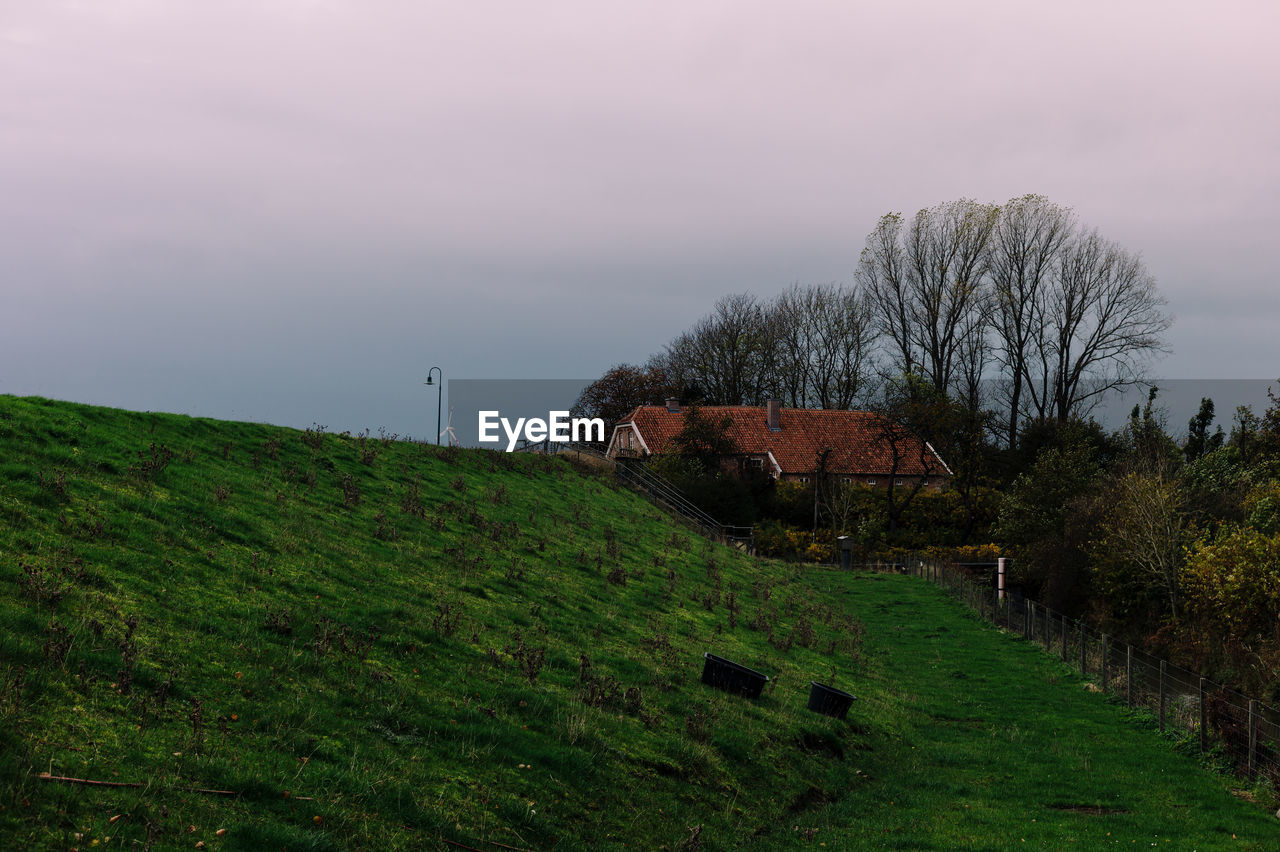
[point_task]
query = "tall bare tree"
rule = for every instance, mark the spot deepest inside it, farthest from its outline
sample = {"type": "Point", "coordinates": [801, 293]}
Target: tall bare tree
{"type": "Point", "coordinates": [1022, 257]}
{"type": "Point", "coordinates": [1101, 323]}
{"type": "Point", "coordinates": [883, 273]}
{"type": "Point", "coordinates": [927, 284]}
{"type": "Point", "coordinates": [824, 336]}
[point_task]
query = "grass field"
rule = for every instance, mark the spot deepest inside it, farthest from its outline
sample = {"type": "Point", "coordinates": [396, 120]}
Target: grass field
{"type": "Point", "coordinates": [283, 639]}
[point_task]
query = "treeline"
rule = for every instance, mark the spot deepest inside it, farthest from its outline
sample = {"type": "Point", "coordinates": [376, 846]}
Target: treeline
{"type": "Point", "coordinates": [1014, 309]}
{"type": "Point", "coordinates": [1172, 544]}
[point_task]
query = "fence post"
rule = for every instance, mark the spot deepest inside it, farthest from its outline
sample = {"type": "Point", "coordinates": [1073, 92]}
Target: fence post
{"type": "Point", "coordinates": [1048, 629]}
{"type": "Point", "coordinates": [1105, 667]}
{"type": "Point", "coordinates": [1162, 675]}
{"type": "Point", "coordinates": [1084, 663]}
{"type": "Point", "coordinates": [1204, 733]}
{"type": "Point", "coordinates": [1064, 638]}
{"type": "Point", "coordinates": [1128, 676]}
{"type": "Point", "coordinates": [1027, 607]}
{"type": "Point", "coordinates": [1253, 737]}
{"type": "Point", "coordinates": [1000, 563]}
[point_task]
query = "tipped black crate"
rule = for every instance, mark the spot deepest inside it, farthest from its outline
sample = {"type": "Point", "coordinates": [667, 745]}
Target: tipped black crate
{"type": "Point", "coordinates": [828, 700]}
{"type": "Point", "coordinates": [732, 677]}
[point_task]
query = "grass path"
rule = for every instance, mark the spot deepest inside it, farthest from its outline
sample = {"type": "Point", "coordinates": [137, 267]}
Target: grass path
{"type": "Point", "coordinates": [993, 744]}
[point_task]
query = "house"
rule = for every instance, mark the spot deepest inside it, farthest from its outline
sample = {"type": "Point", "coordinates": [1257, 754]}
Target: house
{"type": "Point", "coordinates": [789, 443]}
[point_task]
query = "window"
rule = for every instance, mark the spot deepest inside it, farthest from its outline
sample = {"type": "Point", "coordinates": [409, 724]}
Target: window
{"type": "Point", "coordinates": [871, 480]}
{"type": "Point", "coordinates": [897, 482]}
{"type": "Point", "coordinates": [755, 464]}
{"type": "Point", "coordinates": [803, 480]}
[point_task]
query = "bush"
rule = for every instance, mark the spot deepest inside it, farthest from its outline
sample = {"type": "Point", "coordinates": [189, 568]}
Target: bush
{"type": "Point", "coordinates": [1231, 593]}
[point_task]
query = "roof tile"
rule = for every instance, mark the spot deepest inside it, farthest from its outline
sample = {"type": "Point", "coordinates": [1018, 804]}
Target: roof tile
{"type": "Point", "coordinates": [854, 438]}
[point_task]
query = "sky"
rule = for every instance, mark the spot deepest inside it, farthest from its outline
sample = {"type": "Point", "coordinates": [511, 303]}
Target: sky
{"type": "Point", "coordinates": [289, 210]}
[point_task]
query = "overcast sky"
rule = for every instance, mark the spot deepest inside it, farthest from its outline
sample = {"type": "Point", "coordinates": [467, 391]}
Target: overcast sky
{"type": "Point", "coordinates": [288, 210]}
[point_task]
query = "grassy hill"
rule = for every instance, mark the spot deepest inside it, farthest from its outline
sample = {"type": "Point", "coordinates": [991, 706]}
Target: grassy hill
{"type": "Point", "coordinates": [266, 638]}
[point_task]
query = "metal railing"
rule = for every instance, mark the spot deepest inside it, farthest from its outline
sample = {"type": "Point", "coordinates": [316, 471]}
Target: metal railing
{"type": "Point", "coordinates": [634, 473]}
{"type": "Point", "coordinates": [637, 475]}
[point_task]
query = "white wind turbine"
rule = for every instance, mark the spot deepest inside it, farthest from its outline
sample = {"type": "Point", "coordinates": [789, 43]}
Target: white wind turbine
{"type": "Point", "coordinates": [448, 430]}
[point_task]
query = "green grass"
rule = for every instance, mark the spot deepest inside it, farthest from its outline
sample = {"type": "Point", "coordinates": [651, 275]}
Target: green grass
{"type": "Point", "coordinates": [377, 644]}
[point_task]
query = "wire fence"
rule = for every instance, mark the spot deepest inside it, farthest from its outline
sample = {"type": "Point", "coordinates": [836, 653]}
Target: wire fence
{"type": "Point", "coordinates": [1243, 729]}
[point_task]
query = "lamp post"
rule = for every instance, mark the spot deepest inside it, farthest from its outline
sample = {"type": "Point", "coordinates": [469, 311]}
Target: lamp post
{"type": "Point", "coordinates": [439, 383]}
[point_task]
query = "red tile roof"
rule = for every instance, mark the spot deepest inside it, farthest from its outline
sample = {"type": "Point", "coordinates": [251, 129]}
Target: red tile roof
{"type": "Point", "coordinates": [853, 437]}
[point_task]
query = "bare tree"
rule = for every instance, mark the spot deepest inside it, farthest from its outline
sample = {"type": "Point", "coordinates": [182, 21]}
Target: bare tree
{"type": "Point", "coordinates": [824, 336]}
{"type": "Point", "coordinates": [909, 410]}
{"type": "Point", "coordinates": [729, 356]}
{"type": "Point", "coordinates": [882, 272]}
{"type": "Point", "coordinates": [973, 356]}
{"type": "Point", "coordinates": [927, 285]}
{"type": "Point", "coordinates": [1022, 257]}
{"type": "Point", "coordinates": [1102, 321]}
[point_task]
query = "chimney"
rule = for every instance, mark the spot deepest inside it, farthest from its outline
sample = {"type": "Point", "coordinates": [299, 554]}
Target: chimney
{"type": "Point", "coordinates": [673, 404]}
{"type": "Point", "coordinates": [773, 408]}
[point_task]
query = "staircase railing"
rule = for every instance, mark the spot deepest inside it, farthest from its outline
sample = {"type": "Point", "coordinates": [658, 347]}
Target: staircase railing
{"type": "Point", "coordinates": [637, 475]}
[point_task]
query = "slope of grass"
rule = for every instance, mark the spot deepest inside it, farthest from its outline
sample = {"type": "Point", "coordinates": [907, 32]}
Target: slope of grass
{"type": "Point", "coordinates": [310, 641]}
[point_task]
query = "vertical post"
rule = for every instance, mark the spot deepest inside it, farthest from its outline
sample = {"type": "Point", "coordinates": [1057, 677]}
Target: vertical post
{"type": "Point", "coordinates": [1000, 565]}
{"type": "Point", "coordinates": [1084, 663]}
{"type": "Point", "coordinates": [1162, 677]}
{"type": "Point", "coordinates": [1204, 718]}
{"type": "Point", "coordinates": [1105, 668]}
{"type": "Point", "coordinates": [1048, 629]}
{"type": "Point", "coordinates": [1064, 638]}
{"type": "Point", "coordinates": [1253, 737]}
{"type": "Point", "coordinates": [1128, 676]}
{"type": "Point", "coordinates": [1026, 618]}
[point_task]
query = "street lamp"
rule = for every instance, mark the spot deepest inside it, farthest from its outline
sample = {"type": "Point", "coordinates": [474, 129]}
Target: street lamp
{"type": "Point", "coordinates": [439, 383]}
